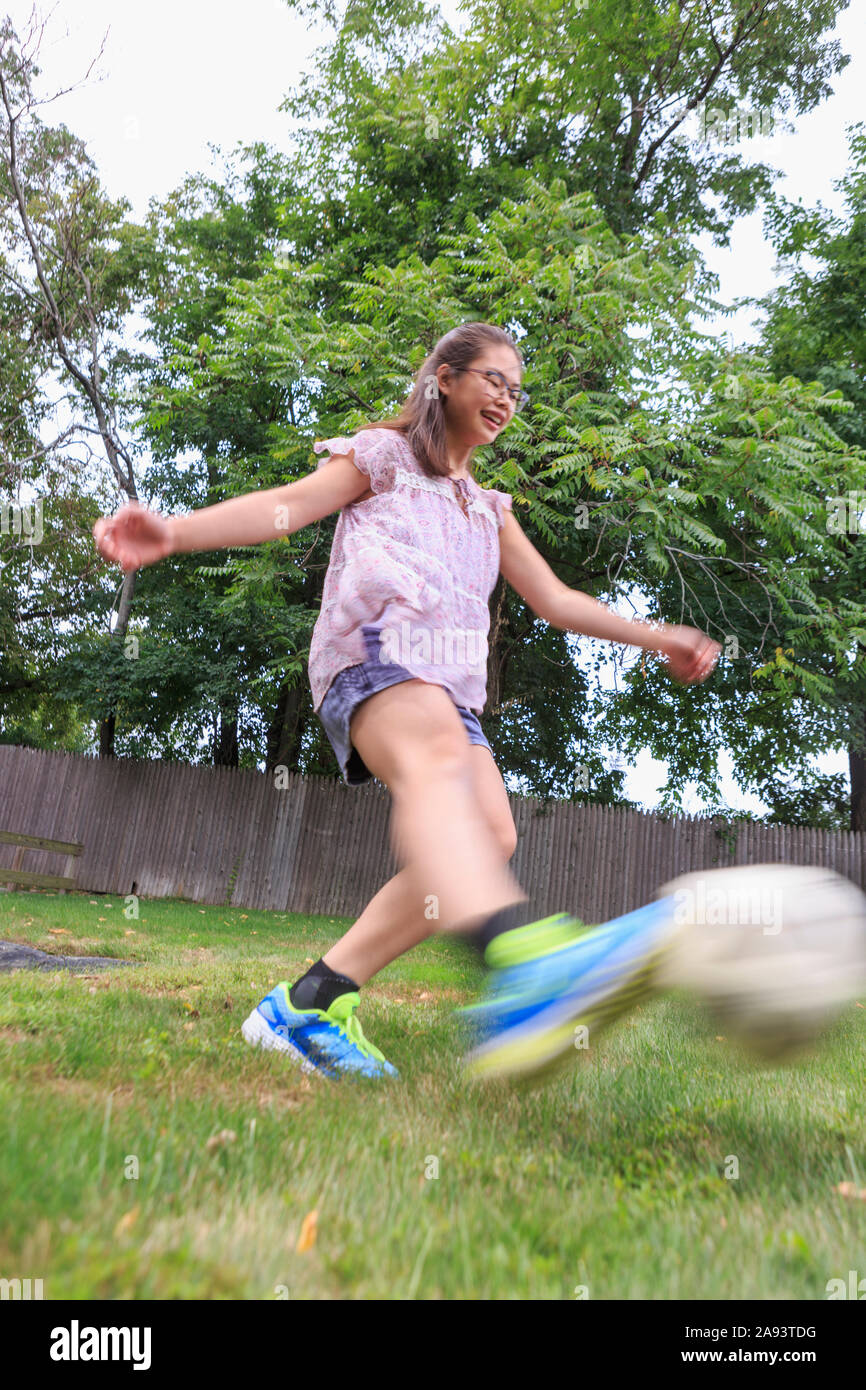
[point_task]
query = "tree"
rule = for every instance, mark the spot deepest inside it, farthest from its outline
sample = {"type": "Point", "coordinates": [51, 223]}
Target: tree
{"type": "Point", "coordinates": [409, 127]}
{"type": "Point", "coordinates": [190, 251]}
{"type": "Point", "coordinates": [413, 132]}
{"type": "Point", "coordinates": [722, 496]}
{"type": "Point", "coordinates": [816, 329]}
{"type": "Point", "coordinates": [451, 182]}
{"type": "Point", "coordinates": [59, 230]}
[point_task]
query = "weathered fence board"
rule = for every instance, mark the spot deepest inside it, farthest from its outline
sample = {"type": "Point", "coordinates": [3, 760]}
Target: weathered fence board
{"type": "Point", "coordinates": [313, 845]}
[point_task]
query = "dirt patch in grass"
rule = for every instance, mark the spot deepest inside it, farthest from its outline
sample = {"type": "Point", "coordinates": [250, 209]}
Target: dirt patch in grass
{"type": "Point", "coordinates": [416, 994]}
{"type": "Point", "coordinates": [199, 1084]}
{"type": "Point", "coordinates": [45, 1078]}
{"type": "Point", "coordinates": [69, 945]}
{"type": "Point", "coordinates": [160, 989]}
{"type": "Point", "coordinates": [291, 1097]}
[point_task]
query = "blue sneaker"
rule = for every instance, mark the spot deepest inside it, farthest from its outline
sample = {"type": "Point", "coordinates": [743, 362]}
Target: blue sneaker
{"type": "Point", "coordinates": [506, 999]}
{"type": "Point", "coordinates": [552, 975]}
{"type": "Point", "coordinates": [328, 1041]}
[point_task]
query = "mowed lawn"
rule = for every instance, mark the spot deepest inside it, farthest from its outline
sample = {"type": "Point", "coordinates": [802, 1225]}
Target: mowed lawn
{"type": "Point", "coordinates": [609, 1183]}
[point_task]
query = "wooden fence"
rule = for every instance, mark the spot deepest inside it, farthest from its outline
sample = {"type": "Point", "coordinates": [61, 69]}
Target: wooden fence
{"type": "Point", "coordinates": [313, 845]}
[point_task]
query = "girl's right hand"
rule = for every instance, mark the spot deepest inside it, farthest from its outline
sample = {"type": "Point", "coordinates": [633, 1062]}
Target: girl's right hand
{"type": "Point", "coordinates": [689, 654]}
{"type": "Point", "coordinates": [134, 537]}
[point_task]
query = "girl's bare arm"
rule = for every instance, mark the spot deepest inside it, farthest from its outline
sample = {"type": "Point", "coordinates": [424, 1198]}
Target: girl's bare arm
{"type": "Point", "coordinates": [277, 511]}
{"type": "Point", "coordinates": [136, 537]}
{"type": "Point", "coordinates": [690, 654]}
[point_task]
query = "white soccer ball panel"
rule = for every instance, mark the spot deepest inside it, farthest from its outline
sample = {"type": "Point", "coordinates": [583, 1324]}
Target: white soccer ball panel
{"type": "Point", "coordinates": [776, 950]}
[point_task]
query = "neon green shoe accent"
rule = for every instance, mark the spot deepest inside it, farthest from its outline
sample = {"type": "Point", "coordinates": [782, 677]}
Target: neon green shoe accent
{"type": "Point", "coordinates": [342, 1013]}
{"type": "Point", "coordinates": [531, 1059]}
{"type": "Point", "coordinates": [532, 940]}
{"type": "Point", "coordinates": [534, 1058]}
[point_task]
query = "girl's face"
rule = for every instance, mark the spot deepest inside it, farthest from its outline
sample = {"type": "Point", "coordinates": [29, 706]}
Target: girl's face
{"type": "Point", "coordinates": [477, 405]}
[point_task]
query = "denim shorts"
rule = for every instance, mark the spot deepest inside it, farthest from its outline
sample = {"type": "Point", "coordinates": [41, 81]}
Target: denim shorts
{"type": "Point", "coordinates": [354, 684]}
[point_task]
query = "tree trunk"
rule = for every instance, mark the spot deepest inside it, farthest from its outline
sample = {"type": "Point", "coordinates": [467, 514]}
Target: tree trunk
{"type": "Point", "coordinates": [495, 655]}
{"type": "Point", "coordinates": [106, 737]}
{"type": "Point", "coordinates": [857, 769]}
{"type": "Point", "coordinates": [109, 723]}
{"type": "Point", "coordinates": [226, 742]}
{"type": "Point", "coordinates": [285, 732]}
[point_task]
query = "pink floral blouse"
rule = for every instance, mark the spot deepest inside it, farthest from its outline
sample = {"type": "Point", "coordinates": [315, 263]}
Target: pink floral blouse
{"type": "Point", "coordinates": [419, 559]}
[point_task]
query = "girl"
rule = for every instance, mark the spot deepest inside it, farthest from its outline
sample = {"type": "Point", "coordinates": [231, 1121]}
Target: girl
{"type": "Point", "coordinates": [398, 676]}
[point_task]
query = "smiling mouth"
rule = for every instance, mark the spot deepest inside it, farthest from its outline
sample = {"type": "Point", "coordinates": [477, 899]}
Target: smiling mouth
{"type": "Point", "coordinates": [494, 424]}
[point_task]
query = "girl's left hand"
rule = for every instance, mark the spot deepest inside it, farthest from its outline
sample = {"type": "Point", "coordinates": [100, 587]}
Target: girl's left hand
{"type": "Point", "coordinates": [690, 655]}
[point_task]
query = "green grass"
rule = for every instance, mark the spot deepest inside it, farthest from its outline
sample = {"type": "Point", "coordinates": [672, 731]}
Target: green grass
{"type": "Point", "coordinates": [612, 1177]}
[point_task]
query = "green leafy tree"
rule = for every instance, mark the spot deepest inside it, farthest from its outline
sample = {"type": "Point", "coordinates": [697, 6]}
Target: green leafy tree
{"type": "Point", "coordinates": [192, 249]}
{"type": "Point", "coordinates": [722, 496]}
{"type": "Point", "coordinates": [816, 329]}
{"type": "Point", "coordinates": [65, 294]}
{"type": "Point", "coordinates": [404, 127]}
{"type": "Point", "coordinates": [529, 172]}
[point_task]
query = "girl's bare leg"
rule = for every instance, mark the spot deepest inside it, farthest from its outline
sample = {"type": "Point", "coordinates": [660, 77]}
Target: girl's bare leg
{"type": "Point", "coordinates": [389, 925]}
{"type": "Point", "coordinates": [392, 922]}
{"type": "Point", "coordinates": [412, 738]}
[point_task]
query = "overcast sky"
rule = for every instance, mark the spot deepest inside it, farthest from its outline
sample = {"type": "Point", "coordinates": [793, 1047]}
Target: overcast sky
{"type": "Point", "coordinates": [177, 76]}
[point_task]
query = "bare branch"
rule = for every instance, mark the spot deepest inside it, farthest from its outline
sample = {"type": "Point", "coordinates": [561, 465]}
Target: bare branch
{"type": "Point", "coordinates": [91, 385]}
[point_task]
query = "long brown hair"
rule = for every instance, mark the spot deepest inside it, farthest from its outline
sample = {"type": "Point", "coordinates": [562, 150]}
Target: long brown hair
{"type": "Point", "coordinates": [422, 418]}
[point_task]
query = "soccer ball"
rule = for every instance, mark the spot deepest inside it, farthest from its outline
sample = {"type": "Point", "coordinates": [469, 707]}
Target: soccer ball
{"type": "Point", "coordinates": [775, 950]}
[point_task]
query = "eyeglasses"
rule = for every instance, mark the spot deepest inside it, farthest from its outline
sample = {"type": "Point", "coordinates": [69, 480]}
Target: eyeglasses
{"type": "Point", "coordinates": [499, 384]}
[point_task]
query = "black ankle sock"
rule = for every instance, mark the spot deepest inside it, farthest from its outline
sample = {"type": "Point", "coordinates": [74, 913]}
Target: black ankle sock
{"type": "Point", "coordinates": [319, 987]}
{"type": "Point", "coordinates": [515, 915]}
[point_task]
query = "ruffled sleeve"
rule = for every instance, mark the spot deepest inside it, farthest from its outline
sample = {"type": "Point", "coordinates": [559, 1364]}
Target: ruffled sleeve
{"type": "Point", "coordinates": [374, 455]}
{"type": "Point", "coordinates": [502, 502]}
